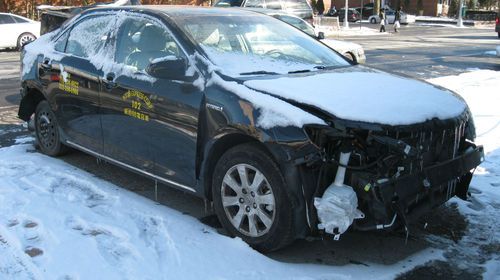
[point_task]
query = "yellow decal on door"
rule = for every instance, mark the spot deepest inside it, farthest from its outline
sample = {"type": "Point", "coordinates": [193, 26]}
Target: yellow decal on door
{"type": "Point", "coordinates": [136, 106]}
{"type": "Point", "coordinates": [68, 85]}
{"type": "Point", "coordinates": [135, 114]}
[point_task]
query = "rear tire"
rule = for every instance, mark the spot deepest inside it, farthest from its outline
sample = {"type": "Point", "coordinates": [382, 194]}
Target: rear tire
{"type": "Point", "coordinates": [24, 39]}
{"type": "Point", "coordinates": [47, 131]}
{"type": "Point", "coordinates": [256, 209]}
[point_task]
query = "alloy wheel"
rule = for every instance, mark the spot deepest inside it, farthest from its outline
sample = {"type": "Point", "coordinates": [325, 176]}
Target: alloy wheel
{"type": "Point", "coordinates": [27, 38]}
{"type": "Point", "coordinates": [248, 200]}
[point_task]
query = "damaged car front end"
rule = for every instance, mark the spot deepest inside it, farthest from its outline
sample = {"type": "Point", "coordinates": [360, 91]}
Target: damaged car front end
{"type": "Point", "coordinates": [396, 172]}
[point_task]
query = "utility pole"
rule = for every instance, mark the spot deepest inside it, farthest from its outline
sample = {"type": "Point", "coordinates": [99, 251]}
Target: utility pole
{"type": "Point", "coordinates": [460, 22]}
{"type": "Point", "coordinates": [376, 10]}
{"type": "Point", "coordinates": [346, 8]}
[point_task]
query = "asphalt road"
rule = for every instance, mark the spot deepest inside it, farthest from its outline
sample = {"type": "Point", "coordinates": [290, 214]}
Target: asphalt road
{"type": "Point", "coordinates": [417, 51]}
{"type": "Point", "coordinates": [430, 51]}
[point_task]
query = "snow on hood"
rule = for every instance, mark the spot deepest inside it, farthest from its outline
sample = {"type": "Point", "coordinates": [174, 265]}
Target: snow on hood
{"type": "Point", "coordinates": [273, 111]}
{"type": "Point", "coordinates": [366, 95]}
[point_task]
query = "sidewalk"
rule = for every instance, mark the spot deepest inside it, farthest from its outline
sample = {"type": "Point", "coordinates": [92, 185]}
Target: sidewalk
{"type": "Point", "coordinates": [450, 21]}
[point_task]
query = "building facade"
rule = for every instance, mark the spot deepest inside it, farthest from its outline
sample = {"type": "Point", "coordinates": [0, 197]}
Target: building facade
{"type": "Point", "coordinates": [430, 7]}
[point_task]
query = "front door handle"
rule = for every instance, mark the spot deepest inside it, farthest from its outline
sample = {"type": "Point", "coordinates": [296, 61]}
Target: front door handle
{"type": "Point", "coordinates": [109, 81]}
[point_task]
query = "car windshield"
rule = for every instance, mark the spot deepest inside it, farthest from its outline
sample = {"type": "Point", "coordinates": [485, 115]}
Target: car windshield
{"type": "Point", "coordinates": [257, 44]}
{"type": "Point", "coordinates": [296, 4]}
{"type": "Point", "coordinates": [298, 23]}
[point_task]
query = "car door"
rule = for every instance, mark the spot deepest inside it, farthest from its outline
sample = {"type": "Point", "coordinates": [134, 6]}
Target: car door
{"type": "Point", "coordinates": [390, 17]}
{"type": "Point", "coordinates": [8, 39]}
{"type": "Point", "coordinates": [72, 82]}
{"type": "Point", "coordinates": [150, 123]}
{"type": "Point", "coordinates": [24, 25]}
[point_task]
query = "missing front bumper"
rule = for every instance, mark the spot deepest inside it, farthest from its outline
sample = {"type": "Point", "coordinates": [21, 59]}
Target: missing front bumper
{"type": "Point", "coordinates": [412, 195]}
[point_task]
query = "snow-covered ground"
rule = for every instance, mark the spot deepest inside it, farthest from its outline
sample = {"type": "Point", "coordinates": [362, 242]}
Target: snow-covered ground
{"type": "Point", "coordinates": [59, 222]}
{"type": "Point", "coordinates": [353, 30]}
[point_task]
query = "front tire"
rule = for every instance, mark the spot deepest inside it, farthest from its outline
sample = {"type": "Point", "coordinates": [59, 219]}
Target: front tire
{"type": "Point", "coordinates": [373, 21]}
{"type": "Point", "coordinates": [350, 56]}
{"type": "Point", "coordinates": [47, 130]}
{"type": "Point", "coordinates": [250, 198]}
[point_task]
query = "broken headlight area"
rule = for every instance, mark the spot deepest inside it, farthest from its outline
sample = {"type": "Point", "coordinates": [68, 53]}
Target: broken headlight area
{"type": "Point", "coordinates": [397, 173]}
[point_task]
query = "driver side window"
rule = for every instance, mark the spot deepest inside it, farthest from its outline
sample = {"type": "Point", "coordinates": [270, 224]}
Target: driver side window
{"type": "Point", "coordinates": [140, 41]}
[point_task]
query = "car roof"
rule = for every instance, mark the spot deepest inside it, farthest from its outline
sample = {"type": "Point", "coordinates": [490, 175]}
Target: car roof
{"type": "Point", "coordinates": [269, 12]}
{"type": "Point", "coordinates": [11, 14]}
{"type": "Point", "coordinates": [182, 11]}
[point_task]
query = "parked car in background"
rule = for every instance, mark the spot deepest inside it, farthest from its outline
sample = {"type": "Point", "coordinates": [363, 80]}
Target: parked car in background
{"type": "Point", "coordinates": [16, 31]}
{"type": "Point", "coordinates": [352, 51]}
{"type": "Point", "coordinates": [300, 8]}
{"type": "Point", "coordinates": [366, 12]}
{"type": "Point", "coordinates": [352, 14]}
{"type": "Point", "coordinates": [390, 15]}
{"type": "Point", "coordinates": [227, 3]}
{"type": "Point", "coordinates": [282, 134]}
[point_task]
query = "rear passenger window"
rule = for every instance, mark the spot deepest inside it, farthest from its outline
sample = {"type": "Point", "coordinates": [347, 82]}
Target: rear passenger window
{"type": "Point", "coordinates": [140, 41]}
{"type": "Point", "coordinates": [6, 19]}
{"type": "Point", "coordinates": [88, 37]}
{"type": "Point", "coordinates": [19, 20]}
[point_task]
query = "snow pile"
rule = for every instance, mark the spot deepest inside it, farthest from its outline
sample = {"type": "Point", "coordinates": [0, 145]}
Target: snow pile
{"type": "Point", "coordinates": [58, 222]}
{"type": "Point", "coordinates": [480, 90]}
{"type": "Point", "coordinates": [480, 246]}
{"type": "Point", "coordinates": [353, 30]}
{"type": "Point", "coordinates": [362, 94]}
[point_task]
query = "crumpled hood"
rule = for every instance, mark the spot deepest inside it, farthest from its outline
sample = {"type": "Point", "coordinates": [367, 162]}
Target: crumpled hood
{"type": "Point", "coordinates": [366, 95]}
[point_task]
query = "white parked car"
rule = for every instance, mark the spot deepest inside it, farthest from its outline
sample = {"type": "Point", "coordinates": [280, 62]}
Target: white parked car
{"type": "Point", "coordinates": [16, 30]}
{"type": "Point", "coordinates": [351, 51]}
{"type": "Point", "coordinates": [389, 14]}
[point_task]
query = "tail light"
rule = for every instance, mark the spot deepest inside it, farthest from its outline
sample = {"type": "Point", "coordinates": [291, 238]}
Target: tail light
{"type": "Point", "coordinates": [497, 20]}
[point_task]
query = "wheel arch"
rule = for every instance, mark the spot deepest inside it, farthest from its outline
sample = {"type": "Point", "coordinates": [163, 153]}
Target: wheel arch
{"type": "Point", "coordinates": [218, 148]}
{"type": "Point", "coordinates": [351, 55]}
{"type": "Point", "coordinates": [29, 101]}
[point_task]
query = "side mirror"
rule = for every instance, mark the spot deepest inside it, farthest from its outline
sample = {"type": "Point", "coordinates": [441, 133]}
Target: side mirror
{"type": "Point", "coordinates": [321, 35]}
{"type": "Point", "coordinates": [171, 68]}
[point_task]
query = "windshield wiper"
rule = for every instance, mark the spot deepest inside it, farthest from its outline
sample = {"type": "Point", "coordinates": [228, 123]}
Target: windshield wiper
{"type": "Point", "coordinates": [260, 72]}
{"type": "Point", "coordinates": [323, 67]}
{"type": "Point", "coordinates": [299, 71]}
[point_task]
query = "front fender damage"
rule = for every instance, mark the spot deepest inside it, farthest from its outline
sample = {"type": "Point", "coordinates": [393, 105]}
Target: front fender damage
{"type": "Point", "coordinates": [384, 178]}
